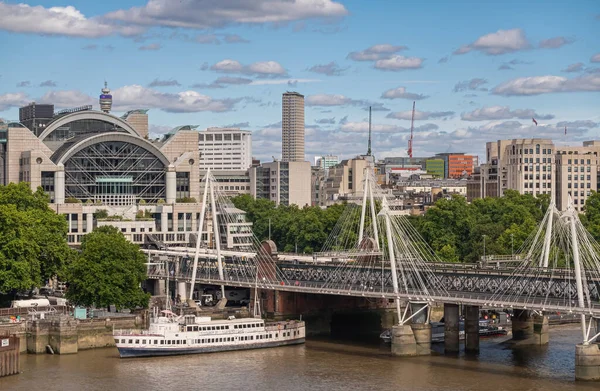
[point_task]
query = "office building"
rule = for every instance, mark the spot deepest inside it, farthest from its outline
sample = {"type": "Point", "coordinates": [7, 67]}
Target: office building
{"type": "Point", "coordinates": [36, 116]}
{"type": "Point", "coordinates": [225, 149]}
{"type": "Point", "coordinates": [576, 174]}
{"type": "Point", "coordinates": [326, 162]}
{"type": "Point", "coordinates": [435, 167]}
{"type": "Point", "coordinates": [292, 127]}
{"type": "Point", "coordinates": [456, 165]}
{"type": "Point", "coordinates": [346, 179]}
{"type": "Point", "coordinates": [285, 183]}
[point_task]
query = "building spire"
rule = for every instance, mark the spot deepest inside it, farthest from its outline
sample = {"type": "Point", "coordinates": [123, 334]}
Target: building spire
{"type": "Point", "coordinates": [369, 147]}
{"type": "Point", "coordinates": [105, 99]}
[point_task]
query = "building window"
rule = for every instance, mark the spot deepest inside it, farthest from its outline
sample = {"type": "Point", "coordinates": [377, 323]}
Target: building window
{"type": "Point", "coordinates": [182, 185]}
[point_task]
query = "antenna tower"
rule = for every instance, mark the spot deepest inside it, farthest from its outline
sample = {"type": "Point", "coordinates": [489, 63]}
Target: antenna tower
{"type": "Point", "coordinates": [412, 127]}
{"type": "Point", "coordinates": [369, 147]}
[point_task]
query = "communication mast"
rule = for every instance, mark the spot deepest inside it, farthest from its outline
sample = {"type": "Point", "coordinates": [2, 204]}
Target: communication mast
{"type": "Point", "coordinates": [369, 147]}
{"type": "Point", "coordinates": [410, 140]}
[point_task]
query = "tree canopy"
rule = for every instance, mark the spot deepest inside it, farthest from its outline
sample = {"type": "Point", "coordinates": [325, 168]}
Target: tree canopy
{"type": "Point", "coordinates": [456, 229]}
{"type": "Point", "coordinates": [33, 238]}
{"type": "Point", "coordinates": [306, 228]}
{"type": "Point", "coordinates": [109, 270]}
{"type": "Point", "coordinates": [453, 227]}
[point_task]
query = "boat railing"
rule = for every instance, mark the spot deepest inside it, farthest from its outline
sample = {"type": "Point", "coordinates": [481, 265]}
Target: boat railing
{"type": "Point", "coordinates": [283, 326]}
{"type": "Point", "coordinates": [134, 332]}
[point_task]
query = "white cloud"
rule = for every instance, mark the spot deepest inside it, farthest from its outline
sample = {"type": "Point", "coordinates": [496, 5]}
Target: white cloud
{"type": "Point", "coordinates": [135, 96]}
{"type": "Point", "coordinates": [327, 100]}
{"type": "Point", "coordinates": [421, 115]}
{"type": "Point", "coordinates": [15, 99]}
{"type": "Point", "coordinates": [537, 85]}
{"type": "Point", "coordinates": [164, 83]}
{"type": "Point", "coordinates": [577, 67]}
{"type": "Point", "coordinates": [502, 112]}
{"type": "Point", "coordinates": [362, 127]}
{"type": "Point", "coordinates": [376, 52]}
{"type": "Point", "coordinates": [595, 58]}
{"type": "Point", "coordinates": [67, 21]}
{"type": "Point", "coordinates": [261, 69]}
{"type": "Point", "coordinates": [282, 81]}
{"type": "Point", "coordinates": [67, 98]}
{"type": "Point", "coordinates": [500, 42]}
{"type": "Point", "coordinates": [202, 14]}
{"type": "Point", "coordinates": [556, 42]}
{"type": "Point", "coordinates": [399, 63]}
{"type": "Point", "coordinates": [329, 69]}
{"type": "Point", "coordinates": [401, 93]}
{"type": "Point", "coordinates": [473, 85]}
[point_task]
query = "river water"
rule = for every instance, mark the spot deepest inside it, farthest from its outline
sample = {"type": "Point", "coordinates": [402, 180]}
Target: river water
{"type": "Point", "coordinates": [320, 364]}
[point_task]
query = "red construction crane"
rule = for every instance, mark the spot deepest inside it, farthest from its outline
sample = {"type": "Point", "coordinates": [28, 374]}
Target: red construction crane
{"type": "Point", "coordinates": [410, 140]}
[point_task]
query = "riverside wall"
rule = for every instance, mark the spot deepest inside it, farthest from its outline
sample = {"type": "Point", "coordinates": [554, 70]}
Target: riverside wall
{"type": "Point", "coordinates": [66, 335]}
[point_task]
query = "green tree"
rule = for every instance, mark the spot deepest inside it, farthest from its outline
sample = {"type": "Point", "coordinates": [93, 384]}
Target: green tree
{"type": "Point", "coordinates": [109, 270]}
{"type": "Point", "coordinates": [591, 219]}
{"type": "Point", "coordinates": [33, 239]}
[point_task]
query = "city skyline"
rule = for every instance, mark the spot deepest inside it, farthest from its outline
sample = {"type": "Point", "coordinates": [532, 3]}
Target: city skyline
{"type": "Point", "coordinates": [191, 62]}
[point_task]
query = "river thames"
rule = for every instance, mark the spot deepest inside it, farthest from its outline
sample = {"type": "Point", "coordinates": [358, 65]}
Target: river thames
{"type": "Point", "coordinates": [320, 364]}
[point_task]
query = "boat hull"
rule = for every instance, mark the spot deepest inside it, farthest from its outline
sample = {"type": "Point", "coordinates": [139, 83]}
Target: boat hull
{"type": "Point", "coordinates": [130, 352]}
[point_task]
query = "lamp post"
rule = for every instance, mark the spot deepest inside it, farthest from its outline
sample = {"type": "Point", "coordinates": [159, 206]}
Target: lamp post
{"type": "Point", "coordinates": [484, 236]}
{"type": "Point", "coordinates": [269, 229]}
{"type": "Point", "coordinates": [512, 246]}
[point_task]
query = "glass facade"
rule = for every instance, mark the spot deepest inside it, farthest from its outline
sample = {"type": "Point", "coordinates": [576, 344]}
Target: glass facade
{"type": "Point", "coordinates": [82, 127]}
{"type": "Point", "coordinates": [115, 172]}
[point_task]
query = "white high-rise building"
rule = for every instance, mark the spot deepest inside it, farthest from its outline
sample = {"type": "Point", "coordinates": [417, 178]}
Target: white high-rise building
{"type": "Point", "coordinates": [292, 127]}
{"type": "Point", "coordinates": [327, 161]}
{"type": "Point", "coordinates": [225, 149]}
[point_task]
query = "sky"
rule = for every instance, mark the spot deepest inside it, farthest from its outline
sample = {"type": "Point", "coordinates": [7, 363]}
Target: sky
{"type": "Point", "coordinates": [478, 70]}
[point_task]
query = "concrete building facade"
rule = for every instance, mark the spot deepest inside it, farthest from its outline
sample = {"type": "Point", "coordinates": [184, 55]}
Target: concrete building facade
{"type": "Point", "coordinates": [292, 127]}
{"type": "Point", "coordinates": [346, 179]}
{"type": "Point", "coordinates": [90, 161]}
{"type": "Point", "coordinates": [576, 174]}
{"type": "Point", "coordinates": [225, 149]}
{"type": "Point", "coordinates": [327, 161]}
{"type": "Point", "coordinates": [435, 167]}
{"type": "Point", "coordinates": [36, 116]}
{"type": "Point", "coordinates": [286, 183]}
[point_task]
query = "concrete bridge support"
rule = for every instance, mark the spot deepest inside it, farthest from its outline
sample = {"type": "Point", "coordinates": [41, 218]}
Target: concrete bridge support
{"type": "Point", "coordinates": [181, 289]}
{"type": "Point", "coordinates": [471, 329]}
{"type": "Point", "coordinates": [158, 288]}
{"type": "Point", "coordinates": [413, 339]}
{"type": "Point", "coordinates": [529, 329]}
{"type": "Point", "coordinates": [587, 358]}
{"type": "Point", "coordinates": [587, 362]}
{"type": "Point", "coordinates": [451, 328]}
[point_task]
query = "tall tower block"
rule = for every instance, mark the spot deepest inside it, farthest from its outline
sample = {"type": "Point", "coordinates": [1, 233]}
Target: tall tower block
{"type": "Point", "coordinates": [292, 127]}
{"type": "Point", "coordinates": [105, 99]}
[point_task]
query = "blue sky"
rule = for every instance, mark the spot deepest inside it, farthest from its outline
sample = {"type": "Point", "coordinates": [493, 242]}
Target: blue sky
{"type": "Point", "coordinates": [478, 70]}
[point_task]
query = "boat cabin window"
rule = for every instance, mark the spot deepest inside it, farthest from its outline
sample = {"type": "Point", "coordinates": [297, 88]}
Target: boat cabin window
{"type": "Point", "coordinates": [137, 341]}
{"type": "Point", "coordinates": [122, 341]}
{"type": "Point", "coordinates": [162, 342]}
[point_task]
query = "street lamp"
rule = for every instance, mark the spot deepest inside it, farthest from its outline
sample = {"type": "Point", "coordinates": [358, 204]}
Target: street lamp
{"type": "Point", "coordinates": [484, 236]}
{"type": "Point", "coordinates": [512, 246]}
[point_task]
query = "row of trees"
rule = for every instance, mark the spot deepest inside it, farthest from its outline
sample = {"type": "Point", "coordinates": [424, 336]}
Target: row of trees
{"type": "Point", "coordinates": [456, 230]}
{"type": "Point", "coordinates": [33, 248]}
{"type": "Point", "coordinates": [291, 227]}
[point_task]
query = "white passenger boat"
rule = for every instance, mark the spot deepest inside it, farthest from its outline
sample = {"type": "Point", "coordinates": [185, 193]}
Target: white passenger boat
{"type": "Point", "coordinates": [169, 334]}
